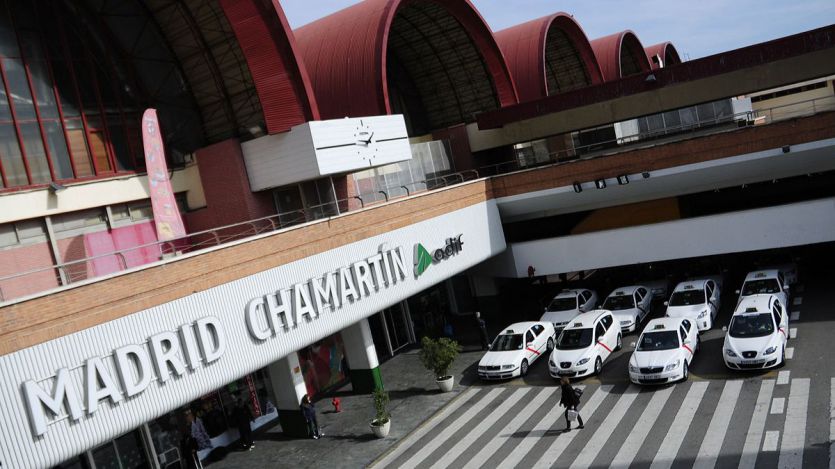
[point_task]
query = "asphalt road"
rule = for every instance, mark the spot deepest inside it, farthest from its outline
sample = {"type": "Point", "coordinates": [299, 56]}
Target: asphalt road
{"type": "Point", "coordinates": [719, 418]}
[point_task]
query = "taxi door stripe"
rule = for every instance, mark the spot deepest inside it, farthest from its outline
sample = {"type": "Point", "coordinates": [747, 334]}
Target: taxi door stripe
{"type": "Point", "coordinates": [712, 443]}
{"type": "Point", "coordinates": [470, 437]}
{"type": "Point", "coordinates": [509, 430]}
{"type": "Point", "coordinates": [605, 429]}
{"type": "Point", "coordinates": [453, 429]}
{"type": "Point", "coordinates": [782, 331]}
{"type": "Point", "coordinates": [604, 346]}
{"type": "Point", "coordinates": [688, 349]}
{"type": "Point", "coordinates": [533, 350]}
{"type": "Point", "coordinates": [684, 417]}
{"type": "Point", "coordinates": [638, 433]}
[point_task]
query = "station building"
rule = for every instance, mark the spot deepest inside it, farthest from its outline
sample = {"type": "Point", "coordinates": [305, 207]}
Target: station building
{"type": "Point", "coordinates": [310, 166]}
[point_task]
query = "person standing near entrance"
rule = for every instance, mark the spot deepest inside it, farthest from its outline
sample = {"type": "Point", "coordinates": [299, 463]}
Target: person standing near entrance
{"type": "Point", "coordinates": [570, 400]}
{"type": "Point", "coordinates": [482, 330]}
{"type": "Point", "coordinates": [242, 417]}
{"type": "Point", "coordinates": [309, 413]}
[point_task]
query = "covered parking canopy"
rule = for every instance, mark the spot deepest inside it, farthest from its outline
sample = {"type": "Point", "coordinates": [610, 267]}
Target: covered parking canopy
{"type": "Point", "coordinates": [549, 55]}
{"type": "Point", "coordinates": [434, 61]}
{"type": "Point", "coordinates": [620, 55]}
{"type": "Point", "coordinates": [663, 55]}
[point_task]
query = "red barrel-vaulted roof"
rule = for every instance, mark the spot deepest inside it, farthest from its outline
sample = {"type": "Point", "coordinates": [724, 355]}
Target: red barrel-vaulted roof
{"type": "Point", "coordinates": [611, 51]}
{"type": "Point", "coordinates": [526, 46]}
{"type": "Point", "coordinates": [666, 51]}
{"type": "Point", "coordinates": [270, 49]}
{"type": "Point", "coordinates": [346, 54]}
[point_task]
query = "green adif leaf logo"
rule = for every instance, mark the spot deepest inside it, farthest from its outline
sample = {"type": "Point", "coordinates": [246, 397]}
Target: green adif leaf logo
{"type": "Point", "coordinates": [422, 259]}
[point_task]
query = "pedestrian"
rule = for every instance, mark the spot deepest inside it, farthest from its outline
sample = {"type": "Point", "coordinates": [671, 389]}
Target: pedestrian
{"type": "Point", "coordinates": [198, 431]}
{"type": "Point", "coordinates": [570, 399]}
{"type": "Point", "coordinates": [188, 450]}
{"type": "Point", "coordinates": [309, 413]}
{"type": "Point", "coordinates": [242, 418]}
{"type": "Point", "coordinates": [482, 329]}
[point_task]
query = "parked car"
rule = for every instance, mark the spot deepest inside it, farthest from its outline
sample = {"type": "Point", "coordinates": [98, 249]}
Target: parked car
{"type": "Point", "coordinates": [585, 344]}
{"type": "Point", "coordinates": [629, 305]}
{"type": "Point", "coordinates": [664, 352]}
{"type": "Point", "coordinates": [758, 333]}
{"type": "Point", "coordinates": [514, 350]}
{"type": "Point", "coordinates": [770, 282]}
{"type": "Point", "coordinates": [567, 305]}
{"type": "Point", "coordinates": [696, 300]}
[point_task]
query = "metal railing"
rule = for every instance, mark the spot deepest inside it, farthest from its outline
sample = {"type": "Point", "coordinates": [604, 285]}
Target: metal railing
{"type": "Point", "coordinates": [68, 273]}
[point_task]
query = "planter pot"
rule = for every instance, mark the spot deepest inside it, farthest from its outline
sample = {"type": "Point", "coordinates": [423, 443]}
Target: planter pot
{"type": "Point", "coordinates": [446, 383]}
{"type": "Point", "coordinates": [381, 431]}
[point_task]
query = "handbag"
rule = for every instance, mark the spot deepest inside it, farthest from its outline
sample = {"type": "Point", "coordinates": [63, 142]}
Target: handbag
{"type": "Point", "coordinates": [578, 392]}
{"type": "Point", "coordinates": [572, 415]}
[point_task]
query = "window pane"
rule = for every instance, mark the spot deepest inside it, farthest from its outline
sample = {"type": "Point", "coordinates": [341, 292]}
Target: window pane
{"type": "Point", "coordinates": [5, 113]}
{"type": "Point", "coordinates": [688, 116]}
{"type": "Point", "coordinates": [8, 40]}
{"type": "Point", "coordinates": [11, 158]}
{"type": "Point", "coordinates": [35, 155]}
{"type": "Point", "coordinates": [124, 160]}
{"type": "Point", "coordinates": [78, 146]}
{"type": "Point", "coordinates": [99, 150]}
{"type": "Point", "coordinates": [672, 120]}
{"type": "Point", "coordinates": [43, 89]}
{"type": "Point", "coordinates": [19, 88]}
{"type": "Point", "coordinates": [705, 112]}
{"type": "Point", "coordinates": [66, 88]}
{"type": "Point", "coordinates": [58, 149]}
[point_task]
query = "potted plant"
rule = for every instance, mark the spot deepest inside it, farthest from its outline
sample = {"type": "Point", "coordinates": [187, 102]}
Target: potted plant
{"type": "Point", "coordinates": [382, 420]}
{"type": "Point", "coordinates": [437, 356]}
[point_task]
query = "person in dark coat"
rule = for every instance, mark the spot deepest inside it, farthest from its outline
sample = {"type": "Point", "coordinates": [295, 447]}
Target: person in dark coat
{"type": "Point", "coordinates": [570, 400]}
{"type": "Point", "coordinates": [482, 329]}
{"type": "Point", "coordinates": [188, 451]}
{"type": "Point", "coordinates": [241, 418]}
{"type": "Point", "coordinates": [309, 413]}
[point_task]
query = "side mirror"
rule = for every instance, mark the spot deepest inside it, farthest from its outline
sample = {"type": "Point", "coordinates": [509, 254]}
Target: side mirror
{"type": "Point", "coordinates": [737, 292]}
{"type": "Point", "coordinates": [724, 328]}
{"type": "Point", "coordinates": [787, 287]}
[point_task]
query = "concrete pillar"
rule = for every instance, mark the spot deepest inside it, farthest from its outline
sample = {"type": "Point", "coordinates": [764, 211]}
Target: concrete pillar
{"type": "Point", "coordinates": [288, 384]}
{"type": "Point", "coordinates": [362, 357]}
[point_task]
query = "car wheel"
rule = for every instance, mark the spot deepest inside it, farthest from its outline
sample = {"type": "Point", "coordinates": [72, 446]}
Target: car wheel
{"type": "Point", "coordinates": [550, 344]}
{"type": "Point", "coordinates": [619, 343]}
{"type": "Point", "coordinates": [523, 370]}
{"type": "Point", "coordinates": [598, 366]}
{"type": "Point", "coordinates": [685, 372]}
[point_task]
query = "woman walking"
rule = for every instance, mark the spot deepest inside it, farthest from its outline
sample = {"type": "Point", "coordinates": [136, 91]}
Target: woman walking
{"type": "Point", "coordinates": [309, 413]}
{"type": "Point", "coordinates": [570, 400]}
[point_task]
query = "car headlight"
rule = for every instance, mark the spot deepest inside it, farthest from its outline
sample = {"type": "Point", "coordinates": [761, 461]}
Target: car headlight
{"type": "Point", "coordinates": [729, 352]}
{"type": "Point", "coordinates": [672, 366]}
{"type": "Point", "coordinates": [702, 314]}
{"type": "Point", "coordinates": [583, 361]}
{"type": "Point", "coordinates": [633, 369]}
{"type": "Point", "coordinates": [626, 323]}
{"type": "Point", "coordinates": [551, 362]}
{"type": "Point", "coordinates": [770, 350]}
{"type": "Point", "coordinates": [508, 367]}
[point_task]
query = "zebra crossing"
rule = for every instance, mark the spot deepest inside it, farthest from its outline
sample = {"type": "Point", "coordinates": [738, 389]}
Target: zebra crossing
{"type": "Point", "coordinates": [703, 424]}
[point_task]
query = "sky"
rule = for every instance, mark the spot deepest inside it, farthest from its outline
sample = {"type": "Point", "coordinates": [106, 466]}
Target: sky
{"type": "Point", "coordinates": [697, 28]}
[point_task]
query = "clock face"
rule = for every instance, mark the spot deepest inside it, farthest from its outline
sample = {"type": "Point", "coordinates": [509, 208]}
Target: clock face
{"type": "Point", "coordinates": [365, 142]}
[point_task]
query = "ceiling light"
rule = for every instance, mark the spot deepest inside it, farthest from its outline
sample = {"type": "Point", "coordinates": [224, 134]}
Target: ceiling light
{"type": "Point", "coordinates": [578, 187]}
{"type": "Point", "coordinates": [600, 183]}
{"type": "Point", "coordinates": [623, 179]}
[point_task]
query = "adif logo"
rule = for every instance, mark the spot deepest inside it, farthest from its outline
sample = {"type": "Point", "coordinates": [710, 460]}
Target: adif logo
{"type": "Point", "coordinates": [423, 259]}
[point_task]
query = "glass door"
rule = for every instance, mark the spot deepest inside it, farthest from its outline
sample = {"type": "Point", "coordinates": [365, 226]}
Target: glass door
{"type": "Point", "coordinates": [397, 323]}
{"type": "Point", "coordinates": [125, 452]}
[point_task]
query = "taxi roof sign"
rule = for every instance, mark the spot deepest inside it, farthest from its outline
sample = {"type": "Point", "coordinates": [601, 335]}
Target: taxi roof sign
{"type": "Point", "coordinates": [751, 309]}
{"type": "Point", "coordinates": [689, 287]}
{"type": "Point", "coordinates": [509, 331]}
{"type": "Point", "coordinates": [760, 275]}
{"type": "Point", "coordinates": [618, 293]}
{"type": "Point", "coordinates": [578, 324]}
{"type": "Point", "coordinates": [658, 326]}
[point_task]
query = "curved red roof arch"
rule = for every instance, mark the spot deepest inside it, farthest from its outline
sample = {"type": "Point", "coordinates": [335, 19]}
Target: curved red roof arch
{"type": "Point", "coordinates": [346, 54]}
{"type": "Point", "coordinates": [269, 46]}
{"type": "Point", "coordinates": [609, 50]}
{"type": "Point", "coordinates": [668, 53]}
{"type": "Point", "coordinates": [525, 47]}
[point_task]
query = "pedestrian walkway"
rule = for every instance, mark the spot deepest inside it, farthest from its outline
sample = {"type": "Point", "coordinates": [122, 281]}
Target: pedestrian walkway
{"type": "Point", "coordinates": [702, 424]}
{"type": "Point", "coordinates": [348, 441]}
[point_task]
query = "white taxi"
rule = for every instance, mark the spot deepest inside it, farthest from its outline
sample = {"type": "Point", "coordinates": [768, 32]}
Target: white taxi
{"type": "Point", "coordinates": [629, 305]}
{"type": "Point", "coordinates": [515, 349]}
{"type": "Point", "coordinates": [757, 336]}
{"type": "Point", "coordinates": [585, 344]}
{"type": "Point", "coordinates": [696, 300]}
{"type": "Point", "coordinates": [765, 282]}
{"type": "Point", "coordinates": [664, 352]}
{"type": "Point", "coordinates": [567, 305]}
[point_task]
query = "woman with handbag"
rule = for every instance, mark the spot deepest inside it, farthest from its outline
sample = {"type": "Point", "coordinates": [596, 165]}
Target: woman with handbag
{"type": "Point", "coordinates": [570, 399]}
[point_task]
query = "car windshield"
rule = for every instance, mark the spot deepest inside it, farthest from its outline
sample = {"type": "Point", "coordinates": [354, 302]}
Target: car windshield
{"type": "Point", "coordinates": [754, 287]}
{"type": "Point", "coordinates": [563, 304]}
{"type": "Point", "coordinates": [574, 338]}
{"type": "Point", "coordinates": [615, 303]}
{"type": "Point", "coordinates": [506, 342]}
{"type": "Point", "coordinates": [688, 297]}
{"type": "Point", "coordinates": [751, 325]}
{"type": "Point", "coordinates": [663, 340]}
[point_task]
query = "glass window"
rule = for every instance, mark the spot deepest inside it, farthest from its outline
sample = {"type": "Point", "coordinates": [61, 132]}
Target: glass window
{"type": "Point", "coordinates": [19, 88]}
{"type": "Point", "coordinates": [779, 310]}
{"type": "Point", "coordinates": [686, 324]}
{"type": "Point", "coordinates": [528, 337]}
{"type": "Point", "coordinates": [751, 325]}
{"type": "Point", "coordinates": [682, 333]}
{"type": "Point", "coordinates": [141, 211]}
{"type": "Point", "coordinates": [619, 302]}
{"type": "Point", "coordinates": [35, 155]}
{"type": "Point", "coordinates": [11, 158]}
{"type": "Point", "coordinates": [755, 287]}
{"type": "Point", "coordinates": [562, 304]}
{"type": "Point", "coordinates": [672, 120]}
{"type": "Point", "coordinates": [8, 235]}
{"type": "Point", "coordinates": [688, 297]}
{"type": "Point", "coordinates": [31, 231]}
{"type": "Point", "coordinates": [43, 89]}
{"type": "Point", "coordinates": [599, 331]}
{"type": "Point", "coordinates": [507, 342]}
{"type": "Point", "coordinates": [571, 339]}
{"type": "Point", "coordinates": [78, 146]}
{"type": "Point", "coordinates": [98, 148]}
{"type": "Point", "coordinates": [537, 329]}
{"type": "Point", "coordinates": [8, 39]}
{"type": "Point", "coordinates": [121, 147]}
{"type": "Point", "coordinates": [665, 340]}
{"type": "Point", "coordinates": [58, 149]}
{"type": "Point", "coordinates": [607, 321]}
{"type": "Point", "coordinates": [688, 116]}
{"type": "Point", "coordinates": [125, 452]}
{"type": "Point", "coordinates": [705, 113]}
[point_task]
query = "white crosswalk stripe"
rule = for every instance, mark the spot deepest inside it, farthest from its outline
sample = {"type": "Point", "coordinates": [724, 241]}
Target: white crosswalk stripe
{"type": "Point", "coordinates": [672, 442]}
{"type": "Point", "coordinates": [795, 316]}
{"type": "Point", "coordinates": [507, 432]}
{"type": "Point", "coordinates": [794, 431]}
{"type": "Point", "coordinates": [709, 452]}
{"type": "Point", "coordinates": [468, 439]}
{"type": "Point", "coordinates": [748, 459]}
{"type": "Point", "coordinates": [636, 437]}
{"type": "Point", "coordinates": [604, 431]}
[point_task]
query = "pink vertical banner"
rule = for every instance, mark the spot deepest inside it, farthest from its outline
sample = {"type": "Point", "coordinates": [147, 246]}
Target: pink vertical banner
{"type": "Point", "coordinates": [166, 214]}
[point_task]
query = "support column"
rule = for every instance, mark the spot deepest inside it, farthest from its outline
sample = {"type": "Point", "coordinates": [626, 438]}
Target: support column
{"type": "Point", "coordinates": [362, 358]}
{"type": "Point", "coordinates": [288, 384]}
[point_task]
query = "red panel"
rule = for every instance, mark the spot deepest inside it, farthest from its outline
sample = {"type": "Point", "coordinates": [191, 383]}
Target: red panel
{"type": "Point", "coordinates": [523, 46]}
{"type": "Point", "coordinates": [667, 51]}
{"type": "Point", "coordinates": [345, 54]}
{"type": "Point", "coordinates": [281, 80]}
{"type": "Point", "coordinates": [607, 49]}
{"type": "Point", "coordinates": [23, 259]}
